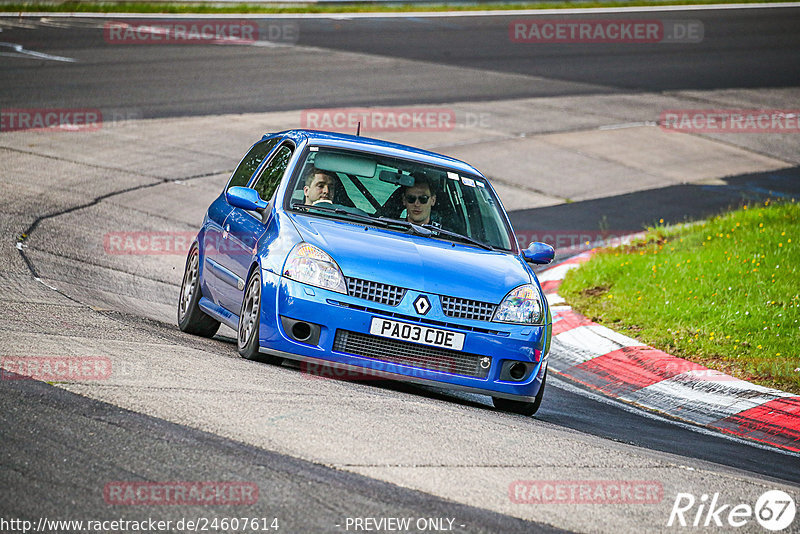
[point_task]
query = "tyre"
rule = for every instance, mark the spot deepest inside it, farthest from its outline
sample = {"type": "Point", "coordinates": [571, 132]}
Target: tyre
{"type": "Point", "coordinates": [521, 407]}
{"type": "Point", "coordinates": [191, 319]}
{"type": "Point", "coordinates": [249, 319]}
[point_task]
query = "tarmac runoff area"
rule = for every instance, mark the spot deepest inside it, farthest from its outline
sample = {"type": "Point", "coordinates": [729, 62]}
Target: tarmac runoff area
{"type": "Point", "coordinates": [69, 191]}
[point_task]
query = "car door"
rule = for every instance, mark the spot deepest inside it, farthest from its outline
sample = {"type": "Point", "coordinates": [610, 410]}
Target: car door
{"type": "Point", "coordinates": [243, 229]}
{"type": "Point", "coordinates": [216, 279]}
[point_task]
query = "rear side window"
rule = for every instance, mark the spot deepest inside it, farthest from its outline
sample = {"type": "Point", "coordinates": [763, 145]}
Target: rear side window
{"type": "Point", "coordinates": [271, 177]}
{"type": "Point", "coordinates": [251, 161]}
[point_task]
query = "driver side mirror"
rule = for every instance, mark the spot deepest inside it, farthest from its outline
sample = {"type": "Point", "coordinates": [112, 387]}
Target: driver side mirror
{"type": "Point", "coordinates": [539, 253]}
{"type": "Point", "coordinates": [245, 198]}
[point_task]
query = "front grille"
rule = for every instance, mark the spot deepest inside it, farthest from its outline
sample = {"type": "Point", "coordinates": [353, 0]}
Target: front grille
{"type": "Point", "coordinates": [467, 309]}
{"type": "Point", "coordinates": [411, 354]}
{"type": "Point", "coordinates": [375, 291]}
{"type": "Point", "coordinates": [412, 319]}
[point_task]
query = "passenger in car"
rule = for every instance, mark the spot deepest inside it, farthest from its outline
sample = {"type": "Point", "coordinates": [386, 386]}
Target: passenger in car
{"type": "Point", "coordinates": [320, 186]}
{"type": "Point", "coordinates": [418, 200]}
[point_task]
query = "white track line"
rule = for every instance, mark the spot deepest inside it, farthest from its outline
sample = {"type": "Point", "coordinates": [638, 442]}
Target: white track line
{"type": "Point", "coordinates": [408, 14]}
{"type": "Point", "coordinates": [20, 50]}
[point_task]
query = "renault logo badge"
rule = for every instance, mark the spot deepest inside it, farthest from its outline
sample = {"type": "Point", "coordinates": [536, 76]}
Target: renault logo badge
{"type": "Point", "coordinates": [422, 305]}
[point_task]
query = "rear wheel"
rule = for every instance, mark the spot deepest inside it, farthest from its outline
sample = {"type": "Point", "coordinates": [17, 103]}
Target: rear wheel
{"type": "Point", "coordinates": [521, 407]}
{"type": "Point", "coordinates": [191, 319]}
{"type": "Point", "coordinates": [249, 319]}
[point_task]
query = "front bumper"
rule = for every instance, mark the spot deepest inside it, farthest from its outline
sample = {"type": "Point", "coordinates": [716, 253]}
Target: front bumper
{"type": "Point", "coordinates": [343, 341]}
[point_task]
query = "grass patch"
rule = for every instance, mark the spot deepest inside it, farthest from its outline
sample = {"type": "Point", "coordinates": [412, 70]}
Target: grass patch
{"type": "Point", "coordinates": [724, 293]}
{"type": "Point", "coordinates": [355, 7]}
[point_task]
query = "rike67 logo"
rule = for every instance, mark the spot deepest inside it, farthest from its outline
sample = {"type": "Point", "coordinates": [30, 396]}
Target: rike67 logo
{"type": "Point", "coordinates": [774, 510]}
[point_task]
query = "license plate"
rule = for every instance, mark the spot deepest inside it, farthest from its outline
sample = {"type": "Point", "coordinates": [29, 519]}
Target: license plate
{"type": "Point", "coordinates": [417, 333]}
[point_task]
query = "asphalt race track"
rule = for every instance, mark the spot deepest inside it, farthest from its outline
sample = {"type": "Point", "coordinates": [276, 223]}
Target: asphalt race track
{"type": "Point", "coordinates": [455, 59]}
{"type": "Point", "coordinates": [180, 408]}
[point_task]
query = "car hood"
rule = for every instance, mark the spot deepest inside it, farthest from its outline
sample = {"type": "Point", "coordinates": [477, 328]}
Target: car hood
{"type": "Point", "coordinates": [414, 262]}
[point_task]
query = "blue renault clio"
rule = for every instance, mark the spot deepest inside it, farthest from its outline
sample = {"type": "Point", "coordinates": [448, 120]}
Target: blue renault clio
{"type": "Point", "coordinates": [353, 253]}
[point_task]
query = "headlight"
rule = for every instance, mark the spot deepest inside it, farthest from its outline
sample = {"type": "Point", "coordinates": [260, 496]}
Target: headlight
{"type": "Point", "coordinates": [522, 305]}
{"type": "Point", "coordinates": [310, 265]}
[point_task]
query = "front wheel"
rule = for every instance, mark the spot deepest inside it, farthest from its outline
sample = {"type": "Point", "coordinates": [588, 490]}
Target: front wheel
{"type": "Point", "coordinates": [191, 319]}
{"type": "Point", "coordinates": [249, 319]}
{"type": "Point", "coordinates": [521, 407]}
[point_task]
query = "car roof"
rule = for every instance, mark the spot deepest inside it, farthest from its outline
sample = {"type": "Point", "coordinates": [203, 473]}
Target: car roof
{"type": "Point", "coordinates": [377, 146]}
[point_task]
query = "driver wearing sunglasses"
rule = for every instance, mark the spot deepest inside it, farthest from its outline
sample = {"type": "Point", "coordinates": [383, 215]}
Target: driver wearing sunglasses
{"type": "Point", "coordinates": [418, 201]}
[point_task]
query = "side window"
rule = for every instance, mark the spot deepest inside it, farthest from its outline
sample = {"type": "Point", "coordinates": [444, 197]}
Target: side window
{"type": "Point", "coordinates": [272, 174]}
{"type": "Point", "coordinates": [251, 162]}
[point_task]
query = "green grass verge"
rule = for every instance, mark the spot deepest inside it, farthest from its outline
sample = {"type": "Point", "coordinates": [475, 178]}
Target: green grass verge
{"type": "Point", "coordinates": [357, 7]}
{"type": "Point", "coordinates": [724, 293]}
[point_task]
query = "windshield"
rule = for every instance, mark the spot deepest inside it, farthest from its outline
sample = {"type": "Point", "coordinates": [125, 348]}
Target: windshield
{"type": "Point", "coordinates": [341, 183]}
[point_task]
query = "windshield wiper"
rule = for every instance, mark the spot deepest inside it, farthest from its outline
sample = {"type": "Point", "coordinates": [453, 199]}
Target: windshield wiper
{"type": "Point", "coordinates": [425, 230]}
{"type": "Point", "coordinates": [456, 235]}
{"type": "Point", "coordinates": [340, 211]}
{"type": "Point", "coordinates": [415, 228]}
